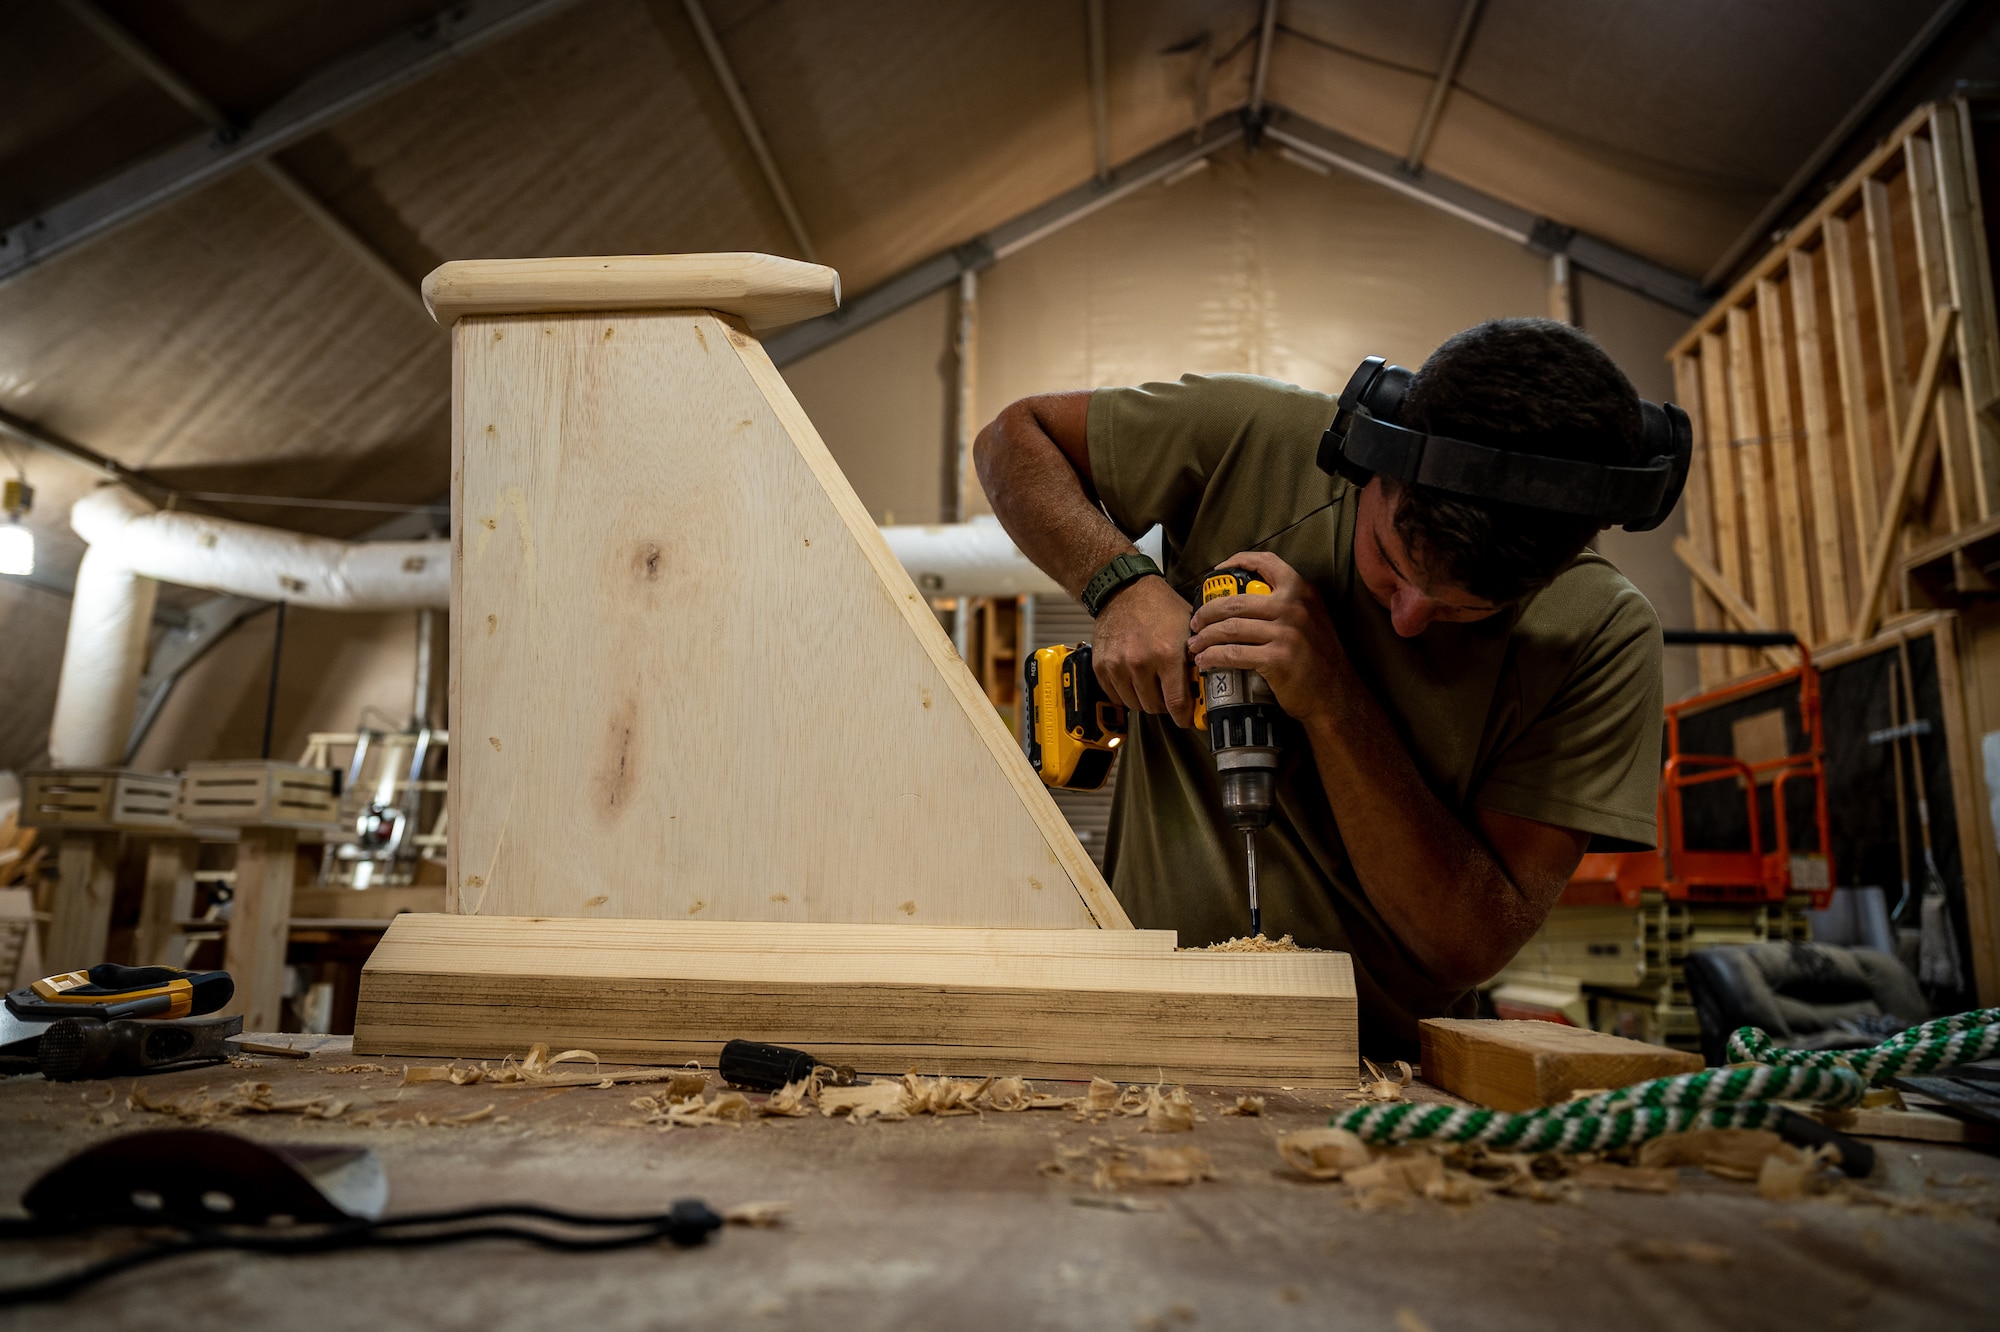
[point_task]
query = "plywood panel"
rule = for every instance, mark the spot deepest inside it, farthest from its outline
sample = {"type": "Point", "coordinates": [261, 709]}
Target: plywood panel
{"type": "Point", "coordinates": [690, 681]}
{"type": "Point", "coordinates": [1034, 1003]}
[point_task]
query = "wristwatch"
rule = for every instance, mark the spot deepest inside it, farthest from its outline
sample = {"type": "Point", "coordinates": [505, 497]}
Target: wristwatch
{"type": "Point", "coordinates": [1106, 582]}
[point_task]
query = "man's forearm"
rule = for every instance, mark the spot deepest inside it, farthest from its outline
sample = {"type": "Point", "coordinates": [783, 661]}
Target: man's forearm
{"type": "Point", "coordinates": [1441, 889]}
{"type": "Point", "coordinates": [1041, 501]}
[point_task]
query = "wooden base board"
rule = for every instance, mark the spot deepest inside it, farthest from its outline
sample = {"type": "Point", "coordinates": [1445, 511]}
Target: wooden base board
{"type": "Point", "coordinates": [1514, 1065]}
{"type": "Point", "coordinates": [883, 998]}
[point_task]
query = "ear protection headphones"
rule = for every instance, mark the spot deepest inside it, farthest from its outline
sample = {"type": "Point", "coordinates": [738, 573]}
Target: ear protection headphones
{"type": "Point", "coordinates": [1365, 441]}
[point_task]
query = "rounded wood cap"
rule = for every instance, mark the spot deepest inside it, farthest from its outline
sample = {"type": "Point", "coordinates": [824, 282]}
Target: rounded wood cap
{"type": "Point", "coordinates": [761, 289]}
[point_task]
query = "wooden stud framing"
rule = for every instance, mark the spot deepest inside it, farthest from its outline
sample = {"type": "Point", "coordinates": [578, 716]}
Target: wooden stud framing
{"type": "Point", "coordinates": [1784, 450]}
{"type": "Point", "coordinates": [1811, 360]}
{"type": "Point", "coordinates": [1824, 508]}
{"type": "Point", "coordinates": [1752, 466]}
{"type": "Point", "coordinates": [1700, 520]}
{"type": "Point", "coordinates": [1908, 452]}
{"type": "Point", "coordinates": [1852, 376]}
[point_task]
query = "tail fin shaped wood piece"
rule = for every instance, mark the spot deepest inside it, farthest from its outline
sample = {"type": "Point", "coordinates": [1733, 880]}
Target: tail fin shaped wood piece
{"type": "Point", "coordinates": [689, 679]}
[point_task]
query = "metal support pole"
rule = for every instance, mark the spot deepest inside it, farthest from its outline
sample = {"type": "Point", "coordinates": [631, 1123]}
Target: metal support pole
{"type": "Point", "coordinates": [719, 61]}
{"type": "Point", "coordinates": [1454, 55]}
{"type": "Point", "coordinates": [271, 690]}
{"type": "Point", "coordinates": [965, 410]}
{"type": "Point", "coordinates": [1562, 289]}
{"type": "Point", "coordinates": [420, 707]}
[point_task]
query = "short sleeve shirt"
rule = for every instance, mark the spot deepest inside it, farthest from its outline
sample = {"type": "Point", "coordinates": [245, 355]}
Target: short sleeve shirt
{"type": "Point", "coordinates": [1549, 709]}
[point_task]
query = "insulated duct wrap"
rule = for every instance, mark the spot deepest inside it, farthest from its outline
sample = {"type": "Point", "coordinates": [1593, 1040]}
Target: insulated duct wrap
{"type": "Point", "coordinates": [110, 615]}
{"type": "Point", "coordinates": [268, 563]}
{"type": "Point", "coordinates": [975, 559]}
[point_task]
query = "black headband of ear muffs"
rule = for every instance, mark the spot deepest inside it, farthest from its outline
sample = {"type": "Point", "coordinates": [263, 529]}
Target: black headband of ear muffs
{"type": "Point", "coordinates": [1365, 441]}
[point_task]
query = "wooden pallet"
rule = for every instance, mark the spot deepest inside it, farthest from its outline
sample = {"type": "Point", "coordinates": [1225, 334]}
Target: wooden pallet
{"type": "Point", "coordinates": [98, 799]}
{"type": "Point", "coordinates": [885, 999]}
{"type": "Point", "coordinates": [259, 794]}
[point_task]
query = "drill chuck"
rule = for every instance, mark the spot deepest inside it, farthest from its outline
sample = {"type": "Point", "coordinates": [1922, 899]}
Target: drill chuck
{"type": "Point", "coordinates": [1246, 797]}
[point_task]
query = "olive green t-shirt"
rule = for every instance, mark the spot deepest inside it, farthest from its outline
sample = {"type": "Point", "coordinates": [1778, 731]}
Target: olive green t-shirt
{"type": "Point", "coordinates": [1549, 709]}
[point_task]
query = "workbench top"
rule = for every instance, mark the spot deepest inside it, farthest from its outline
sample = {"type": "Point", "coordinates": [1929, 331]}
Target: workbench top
{"type": "Point", "coordinates": [933, 1222]}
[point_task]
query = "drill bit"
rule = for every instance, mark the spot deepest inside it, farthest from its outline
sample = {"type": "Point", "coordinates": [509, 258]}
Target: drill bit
{"type": "Point", "coordinates": [1250, 859]}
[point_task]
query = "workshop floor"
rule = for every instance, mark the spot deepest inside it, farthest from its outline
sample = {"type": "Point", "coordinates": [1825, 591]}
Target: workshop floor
{"type": "Point", "coordinates": [953, 1222]}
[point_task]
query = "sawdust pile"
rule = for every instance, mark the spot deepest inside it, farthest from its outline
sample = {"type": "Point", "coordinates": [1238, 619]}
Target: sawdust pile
{"type": "Point", "coordinates": [1254, 943]}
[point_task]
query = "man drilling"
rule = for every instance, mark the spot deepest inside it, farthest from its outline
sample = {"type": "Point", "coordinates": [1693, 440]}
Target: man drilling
{"type": "Point", "coordinates": [1472, 697]}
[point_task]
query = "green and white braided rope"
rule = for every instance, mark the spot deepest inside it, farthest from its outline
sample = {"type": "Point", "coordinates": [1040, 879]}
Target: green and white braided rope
{"type": "Point", "coordinates": [1744, 1097]}
{"type": "Point", "coordinates": [1941, 1043]}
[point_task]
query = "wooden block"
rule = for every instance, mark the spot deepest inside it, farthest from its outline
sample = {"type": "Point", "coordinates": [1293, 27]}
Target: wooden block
{"type": "Point", "coordinates": [98, 798]}
{"type": "Point", "coordinates": [169, 899]}
{"type": "Point", "coordinates": [762, 290]}
{"type": "Point", "coordinates": [1522, 1065]}
{"type": "Point", "coordinates": [260, 916]}
{"type": "Point", "coordinates": [270, 795]}
{"type": "Point", "coordinates": [689, 677]}
{"type": "Point", "coordinates": [1915, 1124]}
{"type": "Point", "coordinates": [1034, 1003]}
{"type": "Point", "coordinates": [80, 914]}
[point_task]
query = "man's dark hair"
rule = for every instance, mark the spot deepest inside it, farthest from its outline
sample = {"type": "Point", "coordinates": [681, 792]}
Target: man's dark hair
{"type": "Point", "coordinates": [1532, 385]}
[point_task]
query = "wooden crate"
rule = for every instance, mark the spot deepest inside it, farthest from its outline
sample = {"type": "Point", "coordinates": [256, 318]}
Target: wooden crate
{"type": "Point", "coordinates": [98, 798]}
{"type": "Point", "coordinates": [1841, 396]}
{"type": "Point", "coordinates": [259, 794]}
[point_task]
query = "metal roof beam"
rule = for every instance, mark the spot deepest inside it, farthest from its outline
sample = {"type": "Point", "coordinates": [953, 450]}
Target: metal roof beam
{"type": "Point", "coordinates": [1310, 139]}
{"type": "Point", "coordinates": [321, 101]}
{"type": "Point", "coordinates": [1260, 73]}
{"type": "Point", "coordinates": [1759, 231]}
{"type": "Point", "coordinates": [942, 270]}
{"type": "Point", "coordinates": [1454, 56]}
{"type": "Point", "coordinates": [718, 60]}
{"type": "Point", "coordinates": [135, 52]}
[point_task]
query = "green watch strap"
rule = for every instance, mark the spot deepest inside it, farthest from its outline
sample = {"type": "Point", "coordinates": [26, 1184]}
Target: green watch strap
{"type": "Point", "coordinates": [1127, 568]}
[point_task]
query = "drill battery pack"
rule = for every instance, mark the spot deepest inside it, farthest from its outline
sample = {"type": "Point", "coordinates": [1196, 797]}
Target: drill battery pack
{"type": "Point", "coordinates": [1074, 727]}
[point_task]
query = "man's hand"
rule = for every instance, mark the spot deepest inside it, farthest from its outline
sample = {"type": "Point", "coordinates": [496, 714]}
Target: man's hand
{"type": "Point", "coordinates": [1287, 637]}
{"type": "Point", "coordinates": [1139, 649]}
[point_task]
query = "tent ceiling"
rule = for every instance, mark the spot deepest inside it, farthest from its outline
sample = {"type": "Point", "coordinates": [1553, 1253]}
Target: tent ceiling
{"type": "Point", "coordinates": [226, 342]}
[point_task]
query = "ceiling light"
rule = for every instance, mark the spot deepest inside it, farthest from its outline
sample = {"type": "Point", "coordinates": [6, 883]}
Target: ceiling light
{"type": "Point", "coordinates": [17, 543]}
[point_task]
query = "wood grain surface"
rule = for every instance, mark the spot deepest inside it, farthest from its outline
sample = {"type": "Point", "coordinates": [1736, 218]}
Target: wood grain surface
{"type": "Point", "coordinates": [1034, 1003]}
{"type": "Point", "coordinates": [1521, 1065]}
{"type": "Point", "coordinates": [761, 289]}
{"type": "Point", "coordinates": [689, 678]}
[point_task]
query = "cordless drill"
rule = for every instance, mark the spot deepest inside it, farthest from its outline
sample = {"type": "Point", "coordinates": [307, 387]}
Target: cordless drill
{"type": "Point", "coordinates": [1241, 715]}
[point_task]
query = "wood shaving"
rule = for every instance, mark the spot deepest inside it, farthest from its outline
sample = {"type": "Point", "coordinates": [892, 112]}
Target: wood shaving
{"type": "Point", "coordinates": [245, 1098]}
{"type": "Point", "coordinates": [1628, 1179]}
{"type": "Point", "coordinates": [1379, 1086]}
{"type": "Point", "coordinates": [1246, 1105]}
{"type": "Point", "coordinates": [1727, 1153]}
{"type": "Point", "coordinates": [1170, 1111]}
{"type": "Point", "coordinates": [1789, 1174]}
{"type": "Point", "coordinates": [1323, 1153]}
{"type": "Point", "coordinates": [1679, 1251]}
{"type": "Point", "coordinates": [763, 1215]}
{"type": "Point", "coordinates": [668, 1111]}
{"type": "Point", "coordinates": [533, 1070]}
{"type": "Point", "coordinates": [881, 1098]}
{"type": "Point", "coordinates": [1254, 943]}
{"type": "Point", "coordinates": [457, 1121]}
{"type": "Point", "coordinates": [1152, 1165]}
{"type": "Point", "coordinates": [359, 1068]}
{"type": "Point", "coordinates": [1117, 1202]}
